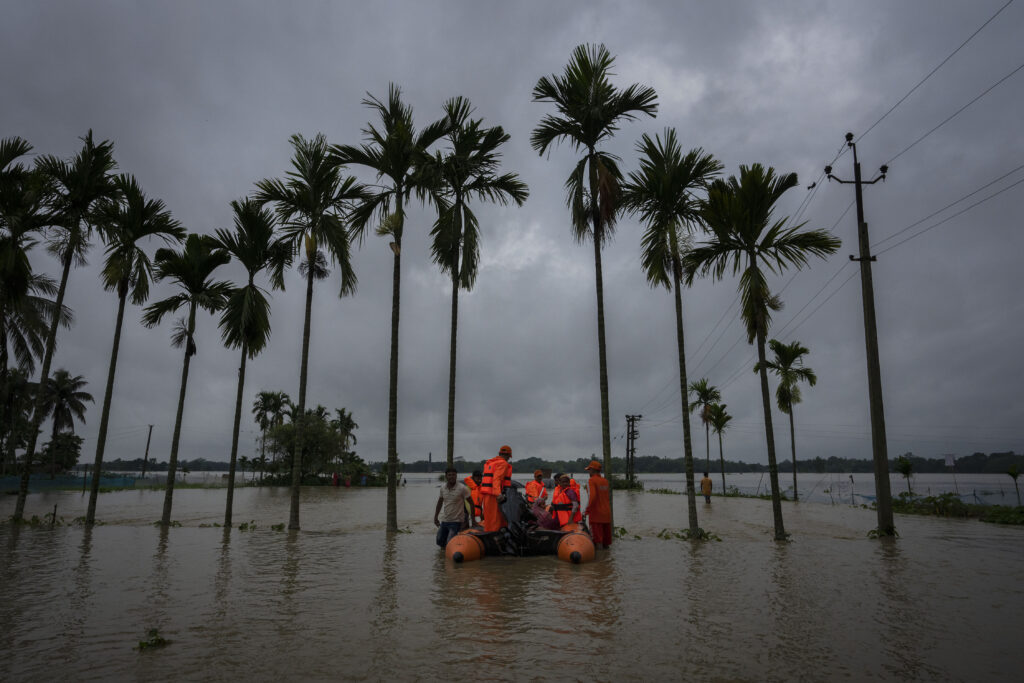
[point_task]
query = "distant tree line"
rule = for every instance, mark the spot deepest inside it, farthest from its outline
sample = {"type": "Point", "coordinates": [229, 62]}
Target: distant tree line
{"type": "Point", "coordinates": [976, 463]}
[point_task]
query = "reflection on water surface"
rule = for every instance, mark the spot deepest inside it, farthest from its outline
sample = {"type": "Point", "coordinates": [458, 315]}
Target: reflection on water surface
{"type": "Point", "coordinates": [342, 600]}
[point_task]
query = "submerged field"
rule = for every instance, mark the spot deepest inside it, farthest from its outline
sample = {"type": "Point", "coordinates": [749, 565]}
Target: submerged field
{"type": "Point", "coordinates": [341, 600]}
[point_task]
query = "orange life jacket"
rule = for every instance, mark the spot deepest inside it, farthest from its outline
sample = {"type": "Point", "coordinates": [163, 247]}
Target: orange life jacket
{"type": "Point", "coordinates": [492, 485]}
{"type": "Point", "coordinates": [535, 491]}
{"type": "Point", "coordinates": [561, 506]}
{"type": "Point", "coordinates": [474, 491]}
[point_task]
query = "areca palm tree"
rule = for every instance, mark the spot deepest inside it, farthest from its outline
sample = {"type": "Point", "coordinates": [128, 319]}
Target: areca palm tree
{"type": "Point", "coordinates": [126, 224]}
{"type": "Point", "coordinates": [395, 152]}
{"type": "Point", "coordinates": [346, 427]}
{"type": "Point", "coordinates": [704, 395]}
{"type": "Point", "coordinates": [311, 203]}
{"type": "Point", "coordinates": [788, 366]}
{"type": "Point", "coordinates": [245, 322]}
{"type": "Point", "coordinates": [191, 269]}
{"type": "Point", "coordinates": [269, 408]}
{"type": "Point", "coordinates": [589, 112]}
{"type": "Point", "coordinates": [77, 186]}
{"type": "Point", "coordinates": [745, 238]}
{"type": "Point", "coordinates": [64, 399]}
{"type": "Point", "coordinates": [467, 170]}
{"type": "Point", "coordinates": [719, 420]}
{"type": "Point", "coordinates": [663, 193]}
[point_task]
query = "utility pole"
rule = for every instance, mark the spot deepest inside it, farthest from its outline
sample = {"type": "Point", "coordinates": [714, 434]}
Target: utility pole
{"type": "Point", "coordinates": [878, 441]}
{"type": "Point", "coordinates": [146, 456]}
{"type": "Point", "coordinates": [631, 434]}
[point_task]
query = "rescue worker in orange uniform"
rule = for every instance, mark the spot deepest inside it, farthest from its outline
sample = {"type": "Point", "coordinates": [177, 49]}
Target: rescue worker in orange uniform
{"type": "Point", "coordinates": [473, 483]}
{"type": "Point", "coordinates": [535, 490]}
{"type": "Point", "coordinates": [565, 503]}
{"type": "Point", "coordinates": [497, 476]}
{"type": "Point", "coordinates": [599, 508]}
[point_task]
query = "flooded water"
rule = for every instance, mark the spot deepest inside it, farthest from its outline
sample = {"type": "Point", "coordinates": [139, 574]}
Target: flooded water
{"type": "Point", "coordinates": [341, 600]}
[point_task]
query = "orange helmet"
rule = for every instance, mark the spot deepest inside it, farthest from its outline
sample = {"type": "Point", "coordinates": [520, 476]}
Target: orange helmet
{"type": "Point", "coordinates": [505, 450]}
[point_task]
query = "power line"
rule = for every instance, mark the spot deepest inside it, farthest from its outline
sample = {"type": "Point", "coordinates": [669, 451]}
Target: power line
{"type": "Point", "coordinates": [932, 72]}
{"type": "Point", "coordinates": [946, 220]}
{"type": "Point", "coordinates": [947, 206]}
{"type": "Point", "coordinates": [954, 114]}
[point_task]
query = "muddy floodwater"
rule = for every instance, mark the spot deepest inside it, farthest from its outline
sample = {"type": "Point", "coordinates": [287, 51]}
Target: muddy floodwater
{"type": "Point", "coordinates": [341, 600]}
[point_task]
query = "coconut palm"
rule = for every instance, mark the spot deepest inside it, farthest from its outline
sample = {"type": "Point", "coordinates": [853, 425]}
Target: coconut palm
{"type": "Point", "coordinates": [1014, 472]}
{"type": "Point", "coordinates": [311, 203]}
{"type": "Point", "coordinates": [467, 170]}
{"type": "Point", "coordinates": [77, 186]}
{"type": "Point", "coordinates": [395, 152]}
{"type": "Point", "coordinates": [663, 193]}
{"type": "Point", "coordinates": [704, 394]}
{"type": "Point", "coordinates": [589, 111]}
{"type": "Point", "coordinates": [18, 396]}
{"type": "Point", "coordinates": [126, 224]}
{"type": "Point", "coordinates": [788, 366]}
{"type": "Point", "coordinates": [64, 400]}
{"type": "Point", "coordinates": [745, 236]}
{"type": "Point", "coordinates": [191, 269]}
{"type": "Point", "coordinates": [245, 322]}
{"type": "Point", "coordinates": [719, 420]}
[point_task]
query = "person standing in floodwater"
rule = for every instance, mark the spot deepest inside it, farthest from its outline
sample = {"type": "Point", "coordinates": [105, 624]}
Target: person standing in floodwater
{"type": "Point", "coordinates": [705, 487]}
{"type": "Point", "coordinates": [452, 501]}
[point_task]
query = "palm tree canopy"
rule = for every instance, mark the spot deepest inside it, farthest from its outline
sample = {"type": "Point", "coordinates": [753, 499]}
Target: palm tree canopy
{"type": "Point", "coordinates": [25, 319]}
{"type": "Point", "coordinates": [269, 408]}
{"type": "Point", "coordinates": [745, 237]}
{"type": "Point", "coordinates": [190, 269]}
{"type": "Point", "coordinates": [704, 395]}
{"type": "Point", "coordinates": [787, 364]}
{"type": "Point", "coordinates": [65, 400]}
{"type": "Point", "coordinates": [246, 316]}
{"type": "Point", "coordinates": [124, 223]}
{"type": "Point", "coordinates": [718, 418]}
{"type": "Point", "coordinates": [312, 203]}
{"type": "Point", "coordinates": [395, 151]}
{"type": "Point", "coordinates": [662, 193]}
{"type": "Point", "coordinates": [77, 186]}
{"type": "Point", "coordinates": [589, 111]}
{"type": "Point", "coordinates": [468, 169]}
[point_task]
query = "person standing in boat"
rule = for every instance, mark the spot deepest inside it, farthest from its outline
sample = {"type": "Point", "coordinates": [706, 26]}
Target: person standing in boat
{"type": "Point", "coordinates": [535, 490]}
{"type": "Point", "coordinates": [497, 476]}
{"type": "Point", "coordinates": [565, 502]}
{"type": "Point", "coordinates": [599, 509]}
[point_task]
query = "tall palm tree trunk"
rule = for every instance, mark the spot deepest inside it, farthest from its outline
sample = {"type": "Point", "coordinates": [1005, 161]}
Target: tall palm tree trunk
{"type": "Point", "coordinates": [691, 494]}
{"type": "Point", "coordinates": [234, 436]}
{"type": "Point", "coordinates": [606, 438]}
{"type": "Point", "coordinates": [37, 410]}
{"type": "Point", "coordinates": [769, 432]}
{"type": "Point", "coordinates": [707, 443]}
{"type": "Point", "coordinates": [299, 419]}
{"type": "Point", "coordinates": [101, 439]}
{"type": "Point", "coordinates": [53, 450]}
{"type": "Point", "coordinates": [172, 464]}
{"type": "Point", "coordinates": [721, 460]}
{"type": "Point", "coordinates": [392, 512]}
{"type": "Point", "coordinates": [451, 370]}
{"type": "Point", "coordinates": [792, 446]}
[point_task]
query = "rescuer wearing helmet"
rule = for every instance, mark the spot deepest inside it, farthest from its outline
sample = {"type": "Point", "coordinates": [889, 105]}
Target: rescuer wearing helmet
{"type": "Point", "coordinates": [497, 477]}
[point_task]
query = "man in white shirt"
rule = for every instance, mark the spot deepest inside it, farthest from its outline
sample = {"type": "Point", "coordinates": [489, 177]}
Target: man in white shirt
{"type": "Point", "coordinates": [451, 507]}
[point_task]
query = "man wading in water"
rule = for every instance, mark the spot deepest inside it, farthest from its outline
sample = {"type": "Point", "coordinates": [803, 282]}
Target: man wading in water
{"type": "Point", "coordinates": [453, 501]}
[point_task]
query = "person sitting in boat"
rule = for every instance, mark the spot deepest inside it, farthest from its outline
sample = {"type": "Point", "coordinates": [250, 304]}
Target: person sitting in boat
{"type": "Point", "coordinates": [565, 502]}
{"type": "Point", "coordinates": [472, 482]}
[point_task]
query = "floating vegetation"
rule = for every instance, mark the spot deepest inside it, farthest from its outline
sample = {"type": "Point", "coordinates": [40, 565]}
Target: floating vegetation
{"type": "Point", "coordinates": [277, 527]}
{"type": "Point", "coordinates": [670, 492]}
{"type": "Point", "coordinates": [621, 532]}
{"type": "Point", "coordinates": [879, 533]}
{"type": "Point", "coordinates": [248, 526]}
{"type": "Point", "coordinates": [174, 523]}
{"type": "Point", "coordinates": [207, 526]}
{"type": "Point", "coordinates": [153, 640]}
{"type": "Point", "coordinates": [686, 535]}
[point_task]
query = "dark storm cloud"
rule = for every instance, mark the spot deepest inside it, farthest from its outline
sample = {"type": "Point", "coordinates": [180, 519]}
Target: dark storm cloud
{"type": "Point", "coordinates": [200, 100]}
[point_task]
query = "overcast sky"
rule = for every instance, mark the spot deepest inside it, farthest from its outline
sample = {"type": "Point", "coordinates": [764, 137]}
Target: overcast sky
{"type": "Point", "coordinates": [200, 98]}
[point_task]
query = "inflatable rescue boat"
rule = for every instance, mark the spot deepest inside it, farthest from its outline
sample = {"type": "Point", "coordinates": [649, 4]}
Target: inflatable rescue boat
{"type": "Point", "coordinates": [523, 537]}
